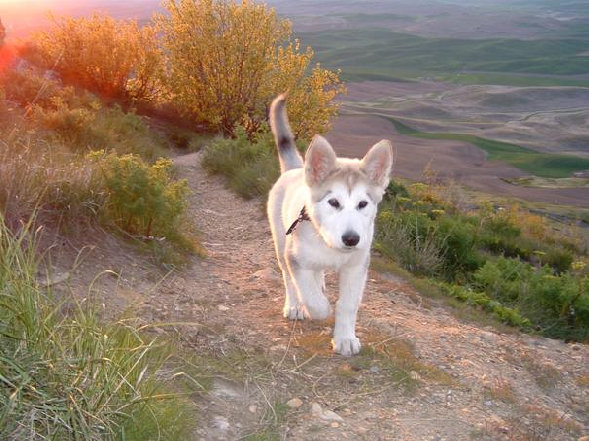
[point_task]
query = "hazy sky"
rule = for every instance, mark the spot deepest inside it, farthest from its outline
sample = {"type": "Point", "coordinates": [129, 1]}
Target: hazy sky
{"type": "Point", "coordinates": [22, 16]}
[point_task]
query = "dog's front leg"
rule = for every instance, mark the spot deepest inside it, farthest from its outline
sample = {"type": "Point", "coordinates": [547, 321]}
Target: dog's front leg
{"type": "Point", "coordinates": [351, 286]}
{"type": "Point", "coordinates": [310, 291]}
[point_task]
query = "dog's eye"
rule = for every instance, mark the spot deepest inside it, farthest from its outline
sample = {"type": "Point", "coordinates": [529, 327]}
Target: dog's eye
{"type": "Point", "coordinates": [362, 204]}
{"type": "Point", "coordinates": [333, 202]}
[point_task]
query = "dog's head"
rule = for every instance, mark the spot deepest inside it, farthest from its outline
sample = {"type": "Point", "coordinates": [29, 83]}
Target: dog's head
{"type": "Point", "coordinates": [345, 192]}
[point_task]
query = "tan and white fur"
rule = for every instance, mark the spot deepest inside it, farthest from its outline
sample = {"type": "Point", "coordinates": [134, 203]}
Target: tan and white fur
{"type": "Point", "coordinates": [340, 196]}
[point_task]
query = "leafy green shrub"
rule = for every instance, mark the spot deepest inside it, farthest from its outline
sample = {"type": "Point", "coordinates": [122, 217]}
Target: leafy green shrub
{"type": "Point", "coordinates": [419, 233]}
{"type": "Point", "coordinates": [501, 234]}
{"type": "Point", "coordinates": [503, 260]}
{"type": "Point", "coordinates": [251, 167]}
{"type": "Point", "coordinates": [142, 199]}
{"type": "Point", "coordinates": [114, 58]}
{"type": "Point", "coordinates": [506, 246]}
{"type": "Point", "coordinates": [501, 279]}
{"type": "Point", "coordinates": [68, 376]}
{"type": "Point", "coordinates": [394, 190]}
{"type": "Point", "coordinates": [410, 242]}
{"type": "Point", "coordinates": [558, 258]}
{"type": "Point", "coordinates": [476, 298]}
{"type": "Point", "coordinates": [555, 304]}
{"type": "Point", "coordinates": [126, 132]}
{"type": "Point", "coordinates": [73, 125]}
{"type": "Point", "coordinates": [500, 222]}
{"type": "Point", "coordinates": [228, 60]}
{"type": "Point", "coordinates": [458, 237]}
{"type": "Point", "coordinates": [557, 255]}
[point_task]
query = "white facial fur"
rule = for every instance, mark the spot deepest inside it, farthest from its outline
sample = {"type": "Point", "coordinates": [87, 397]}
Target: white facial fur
{"type": "Point", "coordinates": [343, 211]}
{"type": "Point", "coordinates": [345, 192]}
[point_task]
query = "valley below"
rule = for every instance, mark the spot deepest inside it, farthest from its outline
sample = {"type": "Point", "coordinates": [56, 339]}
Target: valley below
{"type": "Point", "coordinates": [548, 120]}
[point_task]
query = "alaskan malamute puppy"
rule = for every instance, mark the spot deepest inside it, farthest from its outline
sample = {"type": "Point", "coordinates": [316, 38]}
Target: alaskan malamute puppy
{"type": "Point", "coordinates": [321, 212]}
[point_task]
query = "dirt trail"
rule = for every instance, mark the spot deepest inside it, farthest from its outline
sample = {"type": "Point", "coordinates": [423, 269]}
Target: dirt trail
{"type": "Point", "coordinates": [423, 375]}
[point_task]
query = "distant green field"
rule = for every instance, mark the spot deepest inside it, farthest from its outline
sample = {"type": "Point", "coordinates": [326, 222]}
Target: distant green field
{"type": "Point", "coordinates": [546, 165]}
{"type": "Point", "coordinates": [382, 54]}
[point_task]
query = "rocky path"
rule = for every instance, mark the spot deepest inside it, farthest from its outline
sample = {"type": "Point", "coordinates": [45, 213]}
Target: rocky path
{"type": "Point", "coordinates": [423, 373]}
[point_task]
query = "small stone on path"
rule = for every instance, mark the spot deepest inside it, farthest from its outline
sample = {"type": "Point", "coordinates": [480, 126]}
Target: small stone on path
{"type": "Point", "coordinates": [330, 415]}
{"type": "Point", "coordinates": [316, 410]}
{"type": "Point", "coordinates": [325, 414]}
{"type": "Point", "coordinates": [221, 422]}
{"type": "Point", "coordinates": [266, 274]}
{"type": "Point", "coordinates": [295, 403]}
{"type": "Point", "coordinates": [55, 279]}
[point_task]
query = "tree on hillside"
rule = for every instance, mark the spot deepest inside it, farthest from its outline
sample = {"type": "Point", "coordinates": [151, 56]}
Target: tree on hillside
{"type": "Point", "coordinates": [227, 60]}
{"type": "Point", "coordinates": [114, 58]}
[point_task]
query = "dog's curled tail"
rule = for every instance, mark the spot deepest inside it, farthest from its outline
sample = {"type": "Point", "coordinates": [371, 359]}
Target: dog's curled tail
{"type": "Point", "coordinates": [287, 150]}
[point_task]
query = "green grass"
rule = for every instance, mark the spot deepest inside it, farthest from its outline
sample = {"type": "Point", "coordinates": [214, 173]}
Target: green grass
{"type": "Point", "coordinates": [507, 262]}
{"type": "Point", "coordinates": [374, 53]}
{"type": "Point", "coordinates": [546, 165]}
{"type": "Point", "coordinates": [65, 375]}
{"type": "Point", "coordinates": [40, 176]}
{"type": "Point", "coordinates": [533, 181]}
{"type": "Point", "coordinates": [251, 168]}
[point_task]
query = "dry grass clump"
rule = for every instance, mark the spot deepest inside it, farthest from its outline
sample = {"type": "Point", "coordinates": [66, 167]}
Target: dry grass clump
{"type": "Point", "coordinates": [36, 176]}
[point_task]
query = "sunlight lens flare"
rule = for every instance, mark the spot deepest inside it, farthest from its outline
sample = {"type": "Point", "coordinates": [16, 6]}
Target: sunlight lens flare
{"type": "Point", "coordinates": [7, 55]}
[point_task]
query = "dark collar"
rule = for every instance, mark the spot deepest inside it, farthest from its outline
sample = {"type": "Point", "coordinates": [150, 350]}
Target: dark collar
{"type": "Point", "coordinates": [303, 216]}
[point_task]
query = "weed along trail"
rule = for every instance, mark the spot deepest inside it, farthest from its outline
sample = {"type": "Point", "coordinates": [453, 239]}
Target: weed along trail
{"type": "Point", "coordinates": [423, 373]}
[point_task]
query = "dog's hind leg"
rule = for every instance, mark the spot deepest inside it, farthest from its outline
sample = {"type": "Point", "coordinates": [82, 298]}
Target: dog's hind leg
{"type": "Point", "coordinates": [293, 309]}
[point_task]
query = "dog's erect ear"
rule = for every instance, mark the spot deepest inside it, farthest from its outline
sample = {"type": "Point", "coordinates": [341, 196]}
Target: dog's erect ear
{"type": "Point", "coordinates": [320, 160]}
{"type": "Point", "coordinates": [378, 162]}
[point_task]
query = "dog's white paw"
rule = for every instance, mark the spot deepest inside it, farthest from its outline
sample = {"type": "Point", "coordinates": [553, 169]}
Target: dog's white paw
{"type": "Point", "coordinates": [346, 346]}
{"type": "Point", "coordinates": [296, 312]}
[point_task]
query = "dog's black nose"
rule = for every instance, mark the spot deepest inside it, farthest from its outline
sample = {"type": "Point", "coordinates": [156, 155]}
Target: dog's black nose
{"type": "Point", "coordinates": [350, 239]}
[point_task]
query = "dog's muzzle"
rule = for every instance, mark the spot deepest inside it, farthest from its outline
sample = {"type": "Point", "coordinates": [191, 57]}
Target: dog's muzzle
{"type": "Point", "coordinates": [350, 239]}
